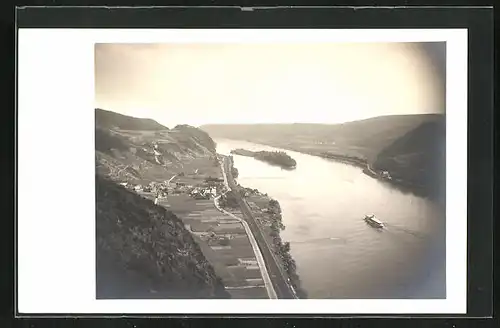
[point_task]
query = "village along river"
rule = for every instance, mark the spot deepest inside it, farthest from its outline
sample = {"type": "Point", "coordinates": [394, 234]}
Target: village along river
{"type": "Point", "coordinates": [338, 255]}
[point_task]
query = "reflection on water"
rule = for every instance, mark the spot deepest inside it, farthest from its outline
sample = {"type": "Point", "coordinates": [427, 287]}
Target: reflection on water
{"type": "Point", "coordinates": [337, 254]}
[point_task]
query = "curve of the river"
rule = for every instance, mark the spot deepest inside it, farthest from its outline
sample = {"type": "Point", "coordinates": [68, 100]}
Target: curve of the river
{"type": "Point", "coordinates": [337, 254]}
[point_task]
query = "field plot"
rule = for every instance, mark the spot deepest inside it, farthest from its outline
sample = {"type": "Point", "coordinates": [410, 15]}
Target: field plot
{"type": "Point", "coordinates": [222, 238]}
{"type": "Point", "coordinates": [201, 168]}
{"type": "Point", "coordinates": [224, 243]}
{"type": "Point", "coordinates": [249, 292]}
{"type": "Point", "coordinates": [235, 211]}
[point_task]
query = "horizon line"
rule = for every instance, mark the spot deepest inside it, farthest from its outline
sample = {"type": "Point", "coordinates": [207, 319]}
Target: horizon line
{"type": "Point", "coordinates": [272, 123]}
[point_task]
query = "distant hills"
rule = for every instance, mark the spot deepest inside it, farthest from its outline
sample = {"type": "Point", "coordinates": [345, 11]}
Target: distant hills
{"type": "Point", "coordinates": [365, 137]}
{"type": "Point", "coordinates": [143, 250]}
{"type": "Point", "coordinates": [411, 147]}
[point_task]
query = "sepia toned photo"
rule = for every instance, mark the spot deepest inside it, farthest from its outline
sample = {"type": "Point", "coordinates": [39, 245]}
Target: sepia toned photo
{"type": "Point", "coordinates": [270, 171]}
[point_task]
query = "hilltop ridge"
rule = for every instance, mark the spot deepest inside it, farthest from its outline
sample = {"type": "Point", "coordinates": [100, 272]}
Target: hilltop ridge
{"type": "Point", "coordinates": [142, 249]}
{"type": "Point", "coordinates": [365, 138]}
{"type": "Point", "coordinates": [126, 145]}
{"type": "Point", "coordinates": [109, 119]}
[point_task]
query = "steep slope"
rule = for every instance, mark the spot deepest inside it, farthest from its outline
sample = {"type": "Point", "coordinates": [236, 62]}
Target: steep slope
{"type": "Point", "coordinates": [198, 135]}
{"type": "Point", "coordinates": [193, 139]}
{"type": "Point", "coordinates": [144, 251]}
{"type": "Point", "coordinates": [126, 145]}
{"type": "Point", "coordinates": [417, 159]}
{"type": "Point", "coordinates": [108, 120]}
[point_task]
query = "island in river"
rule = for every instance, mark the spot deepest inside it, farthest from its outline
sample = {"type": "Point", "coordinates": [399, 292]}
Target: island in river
{"type": "Point", "coordinates": [279, 158]}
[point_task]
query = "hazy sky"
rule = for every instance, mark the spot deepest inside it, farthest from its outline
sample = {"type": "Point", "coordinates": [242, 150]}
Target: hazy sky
{"type": "Point", "coordinates": [266, 83]}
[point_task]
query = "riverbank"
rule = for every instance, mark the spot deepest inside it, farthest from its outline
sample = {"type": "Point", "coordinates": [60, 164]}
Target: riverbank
{"type": "Point", "coordinates": [384, 176]}
{"type": "Point", "coordinates": [267, 214]}
{"type": "Point", "coordinates": [365, 165]}
{"type": "Point", "coordinates": [323, 203]}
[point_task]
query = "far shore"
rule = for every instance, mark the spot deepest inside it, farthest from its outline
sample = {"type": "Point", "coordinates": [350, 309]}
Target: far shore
{"type": "Point", "coordinates": [401, 185]}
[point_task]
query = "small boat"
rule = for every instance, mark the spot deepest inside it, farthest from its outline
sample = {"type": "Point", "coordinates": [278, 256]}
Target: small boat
{"type": "Point", "coordinates": [373, 221]}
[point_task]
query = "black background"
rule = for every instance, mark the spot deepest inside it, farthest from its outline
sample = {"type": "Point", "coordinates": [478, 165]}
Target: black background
{"type": "Point", "coordinates": [479, 22]}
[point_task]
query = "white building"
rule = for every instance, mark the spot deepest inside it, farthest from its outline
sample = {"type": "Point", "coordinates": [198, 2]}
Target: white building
{"type": "Point", "coordinates": [386, 175]}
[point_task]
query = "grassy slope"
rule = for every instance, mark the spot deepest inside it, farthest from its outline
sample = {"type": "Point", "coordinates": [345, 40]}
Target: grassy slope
{"type": "Point", "coordinates": [143, 250]}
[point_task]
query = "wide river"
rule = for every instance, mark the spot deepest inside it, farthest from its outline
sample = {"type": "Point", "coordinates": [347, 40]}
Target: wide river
{"type": "Point", "coordinates": [338, 255]}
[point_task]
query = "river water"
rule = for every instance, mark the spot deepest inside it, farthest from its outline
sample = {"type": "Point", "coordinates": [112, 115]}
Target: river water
{"type": "Point", "coordinates": [338, 255]}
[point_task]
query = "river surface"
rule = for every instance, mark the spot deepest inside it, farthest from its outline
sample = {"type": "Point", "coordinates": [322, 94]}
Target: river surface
{"type": "Point", "coordinates": [338, 255]}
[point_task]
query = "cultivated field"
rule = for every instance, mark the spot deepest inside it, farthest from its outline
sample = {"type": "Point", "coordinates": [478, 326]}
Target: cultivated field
{"type": "Point", "coordinates": [222, 239]}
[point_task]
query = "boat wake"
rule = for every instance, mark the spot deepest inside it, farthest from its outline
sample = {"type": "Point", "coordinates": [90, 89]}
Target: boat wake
{"type": "Point", "coordinates": [394, 228]}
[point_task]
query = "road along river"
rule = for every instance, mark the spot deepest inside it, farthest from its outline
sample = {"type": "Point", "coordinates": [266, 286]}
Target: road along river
{"type": "Point", "coordinates": [337, 254]}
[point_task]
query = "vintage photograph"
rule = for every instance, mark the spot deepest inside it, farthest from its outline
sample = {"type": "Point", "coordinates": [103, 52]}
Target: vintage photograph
{"type": "Point", "coordinates": [270, 170]}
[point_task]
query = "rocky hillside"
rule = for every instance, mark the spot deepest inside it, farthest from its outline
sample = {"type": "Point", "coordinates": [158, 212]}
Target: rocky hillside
{"type": "Point", "coordinates": [144, 251]}
{"type": "Point", "coordinates": [126, 145]}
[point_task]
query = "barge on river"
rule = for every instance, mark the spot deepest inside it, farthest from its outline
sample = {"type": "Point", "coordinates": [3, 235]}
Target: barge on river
{"type": "Point", "coordinates": [374, 222]}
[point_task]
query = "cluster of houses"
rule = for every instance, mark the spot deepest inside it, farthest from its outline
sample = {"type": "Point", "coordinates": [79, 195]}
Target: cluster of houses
{"type": "Point", "coordinates": [179, 187]}
{"type": "Point", "coordinates": [132, 186]}
{"type": "Point", "coordinates": [160, 189]}
{"type": "Point", "coordinates": [206, 190]}
{"type": "Point", "coordinates": [203, 192]}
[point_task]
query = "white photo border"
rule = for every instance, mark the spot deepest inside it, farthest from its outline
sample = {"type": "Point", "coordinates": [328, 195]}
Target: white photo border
{"type": "Point", "coordinates": [56, 167]}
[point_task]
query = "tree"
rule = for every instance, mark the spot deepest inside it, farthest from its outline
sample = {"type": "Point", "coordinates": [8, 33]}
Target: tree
{"type": "Point", "coordinates": [281, 225]}
{"type": "Point", "coordinates": [229, 200]}
{"type": "Point", "coordinates": [285, 248]}
{"type": "Point", "coordinates": [273, 203]}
